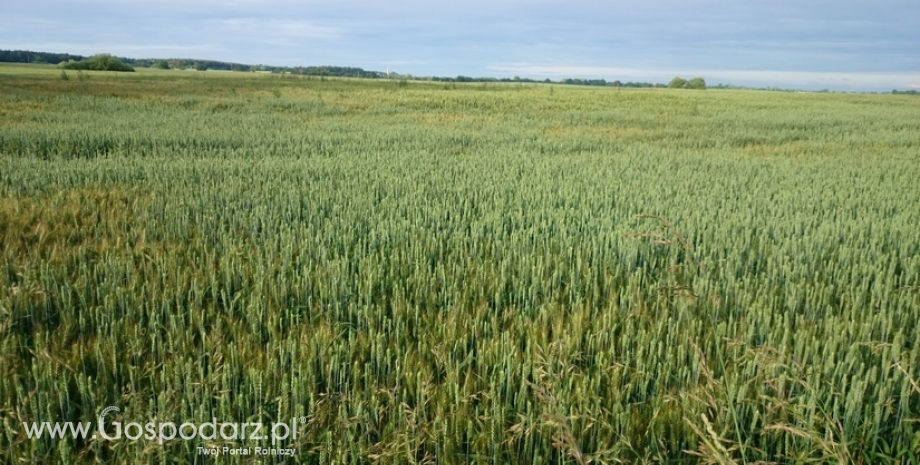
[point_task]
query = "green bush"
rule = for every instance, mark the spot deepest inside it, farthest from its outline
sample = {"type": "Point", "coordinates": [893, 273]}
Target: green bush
{"type": "Point", "coordinates": [100, 62]}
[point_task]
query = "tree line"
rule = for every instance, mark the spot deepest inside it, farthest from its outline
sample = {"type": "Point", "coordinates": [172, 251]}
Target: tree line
{"type": "Point", "coordinates": [27, 56]}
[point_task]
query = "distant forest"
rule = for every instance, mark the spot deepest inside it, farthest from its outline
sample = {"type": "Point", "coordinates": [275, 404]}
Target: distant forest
{"type": "Point", "coordinates": [25, 56]}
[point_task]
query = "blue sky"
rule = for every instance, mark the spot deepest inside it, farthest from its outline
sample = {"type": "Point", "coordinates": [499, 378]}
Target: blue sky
{"type": "Point", "coordinates": [843, 45]}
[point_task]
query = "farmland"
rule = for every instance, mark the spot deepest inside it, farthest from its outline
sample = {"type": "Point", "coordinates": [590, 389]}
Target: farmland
{"type": "Point", "coordinates": [459, 273]}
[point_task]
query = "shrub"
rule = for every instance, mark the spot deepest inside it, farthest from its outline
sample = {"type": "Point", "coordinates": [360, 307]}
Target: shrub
{"type": "Point", "coordinates": [100, 62]}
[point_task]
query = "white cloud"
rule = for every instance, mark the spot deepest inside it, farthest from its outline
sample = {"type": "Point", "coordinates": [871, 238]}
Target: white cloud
{"type": "Point", "coordinates": [285, 28]}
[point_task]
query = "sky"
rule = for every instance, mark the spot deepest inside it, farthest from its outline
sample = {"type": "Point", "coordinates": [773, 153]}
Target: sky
{"type": "Point", "coordinates": [805, 44]}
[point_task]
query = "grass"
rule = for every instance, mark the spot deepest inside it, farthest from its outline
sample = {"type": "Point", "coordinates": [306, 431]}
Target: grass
{"type": "Point", "coordinates": [470, 273]}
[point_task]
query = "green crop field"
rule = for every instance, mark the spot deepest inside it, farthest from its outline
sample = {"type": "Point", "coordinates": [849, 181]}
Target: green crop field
{"type": "Point", "coordinates": [415, 272]}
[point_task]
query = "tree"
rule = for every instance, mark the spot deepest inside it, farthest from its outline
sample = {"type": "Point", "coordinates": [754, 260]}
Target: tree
{"type": "Point", "coordinates": [696, 83]}
{"type": "Point", "coordinates": [678, 83]}
{"type": "Point", "coordinates": [681, 83]}
{"type": "Point", "coordinates": [162, 64]}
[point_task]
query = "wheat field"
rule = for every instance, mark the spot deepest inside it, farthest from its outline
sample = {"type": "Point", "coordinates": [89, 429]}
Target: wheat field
{"type": "Point", "coordinates": [461, 273]}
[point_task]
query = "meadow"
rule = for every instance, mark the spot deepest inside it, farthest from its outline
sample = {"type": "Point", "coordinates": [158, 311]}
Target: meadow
{"type": "Point", "coordinates": [459, 273]}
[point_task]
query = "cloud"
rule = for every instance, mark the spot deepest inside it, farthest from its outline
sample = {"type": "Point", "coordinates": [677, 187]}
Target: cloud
{"type": "Point", "coordinates": [273, 27]}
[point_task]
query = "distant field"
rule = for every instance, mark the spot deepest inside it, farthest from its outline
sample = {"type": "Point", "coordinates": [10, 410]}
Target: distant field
{"type": "Point", "coordinates": [459, 273]}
